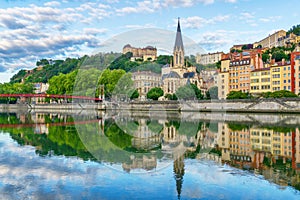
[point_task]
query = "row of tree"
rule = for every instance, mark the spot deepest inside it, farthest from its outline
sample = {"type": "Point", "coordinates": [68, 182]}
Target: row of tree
{"type": "Point", "coordinates": [14, 88]}
{"type": "Point", "coordinates": [186, 92]}
{"type": "Point", "coordinates": [276, 94]}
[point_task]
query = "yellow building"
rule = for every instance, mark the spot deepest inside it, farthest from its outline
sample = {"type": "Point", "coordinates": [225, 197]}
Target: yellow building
{"type": "Point", "coordinates": [223, 79]}
{"type": "Point", "coordinates": [147, 53]}
{"type": "Point", "coordinates": [275, 72]}
{"type": "Point", "coordinates": [272, 40]}
{"type": "Point", "coordinates": [260, 81]}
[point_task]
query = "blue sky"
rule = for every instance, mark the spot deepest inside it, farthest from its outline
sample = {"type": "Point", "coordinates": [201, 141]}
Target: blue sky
{"type": "Point", "coordinates": [34, 29]}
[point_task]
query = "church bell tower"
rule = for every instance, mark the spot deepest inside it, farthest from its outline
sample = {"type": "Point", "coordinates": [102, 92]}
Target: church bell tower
{"type": "Point", "coordinates": [178, 52]}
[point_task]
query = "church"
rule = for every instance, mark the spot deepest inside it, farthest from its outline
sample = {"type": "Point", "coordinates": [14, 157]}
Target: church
{"type": "Point", "coordinates": [178, 73]}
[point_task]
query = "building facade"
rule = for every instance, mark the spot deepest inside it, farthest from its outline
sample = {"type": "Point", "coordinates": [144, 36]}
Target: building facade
{"type": "Point", "coordinates": [147, 53]}
{"type": "Point", "coordinates": [144, 81]}
{"type": "Point", "coordinates": [272, 40]}
{"type": "Point", "coordinates": [209, 58]}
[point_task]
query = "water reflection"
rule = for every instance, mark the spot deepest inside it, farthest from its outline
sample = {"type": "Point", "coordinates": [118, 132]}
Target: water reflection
{"type": "Point", "coordinates": [142, 143]}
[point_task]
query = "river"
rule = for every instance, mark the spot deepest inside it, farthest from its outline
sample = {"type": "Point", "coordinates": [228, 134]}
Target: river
{"type": "Point", "coordinates": [149, 156]}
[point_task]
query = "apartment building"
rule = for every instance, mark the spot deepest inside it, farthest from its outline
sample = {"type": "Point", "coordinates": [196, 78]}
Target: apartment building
{"type": "Point", "coordinates": [295, 66]}
{"type": "Point", "coordinates": [272, 40]}
{"type": "Point", "coordinates": [237, 68]}
{"type": "Point", "coordinates": [260, 81]}
{"type": "Point", "coordinates": [209, 58]}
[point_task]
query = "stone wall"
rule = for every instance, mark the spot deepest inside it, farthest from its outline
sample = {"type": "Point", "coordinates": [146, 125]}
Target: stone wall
{"type": "Point", "coordinates": [249, 105]}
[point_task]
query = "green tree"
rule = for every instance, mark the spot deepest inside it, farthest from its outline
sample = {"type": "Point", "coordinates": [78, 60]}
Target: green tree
{"type": "Point", "coordinates": [213, 92]}
{"type": "Point", "coordinates": [171, 97]}
{"type": "Point", "coordinates": [278, 55]}
{"type": "Point", "coordinates": [279, 94]}
{"type": "Point", "coordinates": [238, 95]}
{"type": "Point", "coordinates": [110, 78]}
{"type": "Point", "coordinates": [155, 93]}
{"type": "Point", "coordinates": [135, 94]}
{"type": "Point", "coordinates": [189, 92]}
{"type": "Point", "coordinates": [185, 92]}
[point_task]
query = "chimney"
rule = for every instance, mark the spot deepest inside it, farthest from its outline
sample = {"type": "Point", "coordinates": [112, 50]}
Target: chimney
{"type": "Point", "coordinates": [282, 61]}
{"type": "Point", "coordinates": [273, 61]}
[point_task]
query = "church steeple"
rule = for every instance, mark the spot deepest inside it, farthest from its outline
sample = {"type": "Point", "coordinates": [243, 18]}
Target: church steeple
{"type": "Point", "coordinates": [178, 52]}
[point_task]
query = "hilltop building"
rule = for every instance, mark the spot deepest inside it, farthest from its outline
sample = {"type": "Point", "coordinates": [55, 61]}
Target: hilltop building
{"type": "Point", "coordinates": [272, 40]}
{"type": "Point", "coordinates": [209, 58]}
{"type": "Point", "coordinates": [147, 53]}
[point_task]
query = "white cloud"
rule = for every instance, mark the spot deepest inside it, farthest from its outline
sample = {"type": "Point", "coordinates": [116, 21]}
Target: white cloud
{"type": "Point", "coordinates": [231, 1]}
{"type": "Point", "coordinates": [141, 7]}
{"type": "Point", "coordinates": [52, 4]}
{"type": "Point", "coordinates": [270, 19]}
{"type": "Point", "coordinates": [246, 15]}
{"type": "Point", "coordinates": [198, 22]}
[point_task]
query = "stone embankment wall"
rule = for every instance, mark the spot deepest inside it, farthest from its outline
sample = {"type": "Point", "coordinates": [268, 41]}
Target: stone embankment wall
{"type": "Point", "coordinates": [243, 106]}
{"type": "Point", "coordinates": [253, 105]}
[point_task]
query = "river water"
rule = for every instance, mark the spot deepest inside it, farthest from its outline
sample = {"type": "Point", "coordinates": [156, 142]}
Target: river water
{"type": "Point", "coordinates": [149, 156]}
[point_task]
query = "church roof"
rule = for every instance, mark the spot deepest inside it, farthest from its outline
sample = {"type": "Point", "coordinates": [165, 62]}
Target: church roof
{"type": "Point", "coordinates": [178, 40]}
{"type": "Point", "coordinates": [172, 74]}
{"type": "Point", "coordinates": [189, 75]}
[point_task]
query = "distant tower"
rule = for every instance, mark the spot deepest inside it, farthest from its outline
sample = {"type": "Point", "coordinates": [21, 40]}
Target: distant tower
{"type": "Point", "coordinates": [178, 52]}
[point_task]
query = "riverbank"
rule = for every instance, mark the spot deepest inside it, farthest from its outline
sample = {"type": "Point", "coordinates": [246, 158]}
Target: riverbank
{"type": "Point", "coordinates": [284, 105]}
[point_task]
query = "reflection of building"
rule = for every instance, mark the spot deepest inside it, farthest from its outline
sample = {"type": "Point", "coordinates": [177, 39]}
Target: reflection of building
{"type": "Point", "coordinates": [223, 141]}
{"type": "Point", "coordinates": [296, 153]}
{"type": "Point", "coordinates": [147, 53]}
{"type": "Point", "coordinates": [40, 127]}
{"type": "Point", "coordinates": [146, 163]}
{"type": "Point", "coordinates": [178, 168]}
{"type": "Point", "coordinates": [144, 137]}
{"type": "Point", "coordinates": [144, 81]}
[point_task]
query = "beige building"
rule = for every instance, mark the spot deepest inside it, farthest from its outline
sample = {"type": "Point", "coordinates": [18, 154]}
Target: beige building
{"type": "Point", "coordinates": [144, 81]}
{"type": "Point", "coordinates": [272, 40]}
{"type": "Point", "coordinates": [209, 58]}
{"type": "Point", "coordinates": [147, 53]}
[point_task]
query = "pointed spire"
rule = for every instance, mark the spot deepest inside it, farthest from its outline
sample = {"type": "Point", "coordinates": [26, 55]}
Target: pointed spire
{"type": "Point", "coordinates": [178, 41]}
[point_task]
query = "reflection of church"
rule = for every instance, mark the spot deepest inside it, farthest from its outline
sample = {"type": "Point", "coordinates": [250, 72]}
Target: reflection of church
{"type": "Point", "coordinates": [178, 73]}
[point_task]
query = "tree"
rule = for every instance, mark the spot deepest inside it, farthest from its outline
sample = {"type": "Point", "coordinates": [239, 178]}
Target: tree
{"type": "Point", "coordinates": [135, 94]}
{"type": "Point", "coordinates": [124, 88]}
{"type": "Point", "coordinates": [155, 93]}
{"type": "Point", "coordinates": [110, 78]}
{"type": "Point", "coordinates": [279, 55]}
{"type": "Point", "coordinates": [295, 30]}
{"type": "Point", "coordinates": [238, 95]}
{"type": "Point", "coordinates": [187, 92]}
{"type": "Point", "coordinates": [213, 92]}
{"type": "Point", "coordinates": [279, 94]}
{"type": "Point", "coordinates": [171, 97]}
